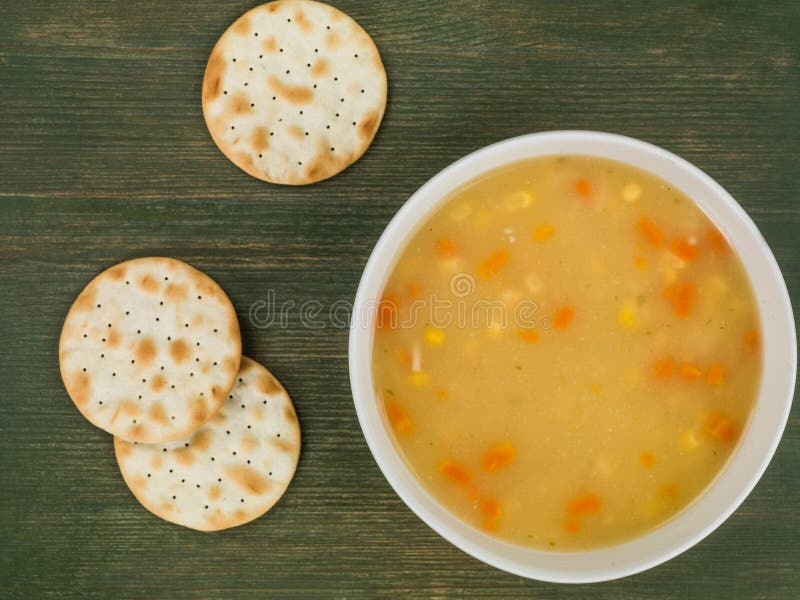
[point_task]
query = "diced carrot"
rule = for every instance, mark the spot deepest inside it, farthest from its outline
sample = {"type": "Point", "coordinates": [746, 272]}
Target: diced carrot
{"type": "Point", "coordinates": [572, 525]}
{"type": "Point", "coordinates": [752, 340]}
{"type": "Point", "coordinates": [583, 187]}
{"type": "Point", "coordinates": [446, 248]}
{"type": "Point", "coordinates": [413, 290]}
{"type": "Point", "coordinates": [716, 375]}
{"type": "Point", "coordinates": [650, 231]}
{"type": "Point", "coordinates": [489, 524]}
{"type": "Point", "coordinates": [664, 368]}
{"type": "Point", "coordinates": [584, 505]}
{"type": "Point", "coordinates": [442, 393]}
{"type": "Point", "coordinates": [543, 232]}
{"type": "Point", "coordinates": [563, 317]}
{"type": "Point", "coordinates": [720, 427]}
{"type": "Point", "coordinates": [489, 267]}
{"type": "Point", "coordinates": [387, 311]}
{"type": "Point", "coordinates": [681, 295]}
{"type": "Point", "coordinates": [455, 473]}
{"type": "Point", "coordinates": [498, 457]}
{"type": "Point", "coordinates": [648, 459]}
{"type": "Point", "coordinates": [640, 263]}
{"type": "Point", "coordinates": [399, 417]}
{"type": "Point", "coordinates": [669, 490]}
{"type": "Point", "coordinates": [686, 249]}
{"type": "Point", "coordinates": [403, 357]}
{"type": "Point", "coordinates": [490, 507]}
{"type": "Point", "coordinates": [690, 372]}
{"type": "Point", "coordinates": [529, 335]}
{"type": "Point", "coordinates": [718, 243]}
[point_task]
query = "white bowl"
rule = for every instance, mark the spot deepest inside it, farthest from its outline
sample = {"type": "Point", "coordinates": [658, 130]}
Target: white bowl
{"type": "Point", "coordinates": [756, 446]}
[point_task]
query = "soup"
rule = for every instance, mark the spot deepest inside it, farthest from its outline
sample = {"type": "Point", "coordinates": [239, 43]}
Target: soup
{"type": "Point", "coordinates": [567, 352]}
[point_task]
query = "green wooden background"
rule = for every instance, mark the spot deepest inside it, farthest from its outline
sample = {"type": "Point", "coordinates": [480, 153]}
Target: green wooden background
{"type": "Point", "coordinates": [104, 156]}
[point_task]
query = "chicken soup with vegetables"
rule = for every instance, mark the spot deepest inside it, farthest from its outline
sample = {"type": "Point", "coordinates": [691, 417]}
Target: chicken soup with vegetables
{"type": "Point", "coordinates": [567, 352]}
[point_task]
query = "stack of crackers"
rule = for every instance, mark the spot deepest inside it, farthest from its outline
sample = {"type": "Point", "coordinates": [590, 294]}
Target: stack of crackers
{"type": "Point", "coordinates": [151, 352]}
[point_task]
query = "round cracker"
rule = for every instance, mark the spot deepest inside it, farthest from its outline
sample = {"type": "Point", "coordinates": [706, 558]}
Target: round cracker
{"type": "Point", "coordinates": [150, 349]}
{"type": "Point", "coordinates": [294, 92]}
{"type": "Point", "coordinates": [229, 472]}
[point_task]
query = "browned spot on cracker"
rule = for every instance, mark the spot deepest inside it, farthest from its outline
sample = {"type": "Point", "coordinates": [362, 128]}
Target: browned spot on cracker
{"type": "Point", "coordinates": [267, 384]}
{"type": "Point", "coordinates": [158, 382]}
{"type": "Point", "coordinates": [239, 104]}
{"type": "Point", "coordinates": [282, 445]}
{"type": "Point", "coordinates": [138, 482]}
{"type": "Point", "coordinates": [212, 82]}
{"type": "Point", "coordinates": [198, 410]}
{"type": "Point", "coordinates": [130, 408]}
{"type": "Point", "coordinates": [145, 351]}
{"type": "Point", "coordinates": [366, 128]}
{"type": "Point", "coordinates": [259, 139]}
{"type": "Point", "coordinates": [176, 292]}
{"type": "Point", "coordinates": [148, 283]}
{"type": "Point", "coordinates": [86, 299]}
{"type": "Point", "coordinates": [79, 388]}
{"type": "Point", "coordinates": [219, 417]}
{"type": "Point", "coordinates": [214, 493]}
{"type": "Point", "coordinates": [289, 414]}
{"type": "Point", "coordinates": [249, 443]}
{"type": "Point", "coordinates": [113, 338]}
{"type": "Point", "coordinates": [137, 431]}
{"type": "Point", "coordinates": [123, 448]}
{"type": "Point", "coordinates": [179, 351]}
{"type": "Point", "coordinates": [332, 41]}
{"type": "Point", "coordinates": [116, 273]}
{"type": "Point", "coordinates": [269, 45]}
{"type": "Point", "coordinates": [273, 7]}
{"type": "Point", "coordinates": [296, 94]}
{"type": "Point", "coordinates": [216, 392]}
{"type": "Point", "coordinates": [302, 22]}
{"type": "Point", "coordinates": [201, 440]}
{"type": "Point", "coordinates": [247, 479]}
{"type": "Point", "coordinates": [320, 68]}
{"type": "Point", "coordinates": [184, 455]}
{"type": "Point", "coordinates": [157, 413]}
{"type": "Point", "coordinates": [156, 462]}
{"type": "Point", "coordinates": [242, 26]}
{"type": "Point", "coordinates": [295, 132]}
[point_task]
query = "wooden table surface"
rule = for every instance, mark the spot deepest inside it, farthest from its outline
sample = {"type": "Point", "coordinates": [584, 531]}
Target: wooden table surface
{"type": "Point", "coordinates": [104, 156]}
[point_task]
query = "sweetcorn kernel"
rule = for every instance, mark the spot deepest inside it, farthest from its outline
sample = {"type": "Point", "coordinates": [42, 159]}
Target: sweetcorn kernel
{"type": "Point", "coordinates": [631, 192]}
{"type": "Point", "coordinates": [434, 336]}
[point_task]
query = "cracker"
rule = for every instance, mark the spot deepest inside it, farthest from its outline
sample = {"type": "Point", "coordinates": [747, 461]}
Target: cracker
{"type": "Point", "coordinates": [150, 349]}
{"type": "Point", "coordinates": [294, 92]}
{"type": "Point", "coordinates": [230, 471]}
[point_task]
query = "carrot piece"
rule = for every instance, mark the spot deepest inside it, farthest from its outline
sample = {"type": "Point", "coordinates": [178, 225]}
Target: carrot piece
{"type": "Point", "coordinates": [399, 417]}
{"type": "Point", "coordinates": [490, 508]}
{"type": "Point", "coordinates": [498, 457]}
{"type": "Point", "coordinates": [686, 249]}
{"type": "Point", "coordinates": [664, 368]}
{"type": "Point", "coordinates": [489, 525]}
{"type": "Point", "coordinates": [752, 340]}
{"type": "Point", "coordinates": [681, 295]}
{"type": "Point", "coordinates": [572, 525]}
{"type": "Point", "coordinates": [716, 375]}
{"type": "Point", "coordinates": [442, 393]}
{"type": "Point", "coordinates": [640, 263]}
{"type": "Point", "coordinates": [387, 311]}
{"type": "Point", "coordinates": [489, 267]}
{"type": "Point", "coordinates": [455, 473]}
{"type": "Point", "coordinates": [543, 232]}
{"type": "Point", "coordinates": [648, 459]}
{"type": "Point", "coordinates": [669, 490]}
{"type": "Point", "coordinates": [583, 505]}
{"type": "Point", "coordinates": [583, 187]}
{"type": "Point", "coordinates": [404, 358]}
{"type": "Point", "coordinates": [529, 335]}
{"type": "Point", "coordinates": [446, 248]}
{"type": "Point", "coordinates": [563, 317]}
{"type": "Point", "coordinates": [720, 427]}
{"type": "Point", "coordinates": [690, 372]}
{"type": "Point", "coordinates": [650, 231]}
{"type": "Point", "coordinates": [718, 243]}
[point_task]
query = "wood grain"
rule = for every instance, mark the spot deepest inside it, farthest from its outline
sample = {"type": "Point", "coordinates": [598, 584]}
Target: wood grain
{"type": "Point", "coordinates": [104, 156]}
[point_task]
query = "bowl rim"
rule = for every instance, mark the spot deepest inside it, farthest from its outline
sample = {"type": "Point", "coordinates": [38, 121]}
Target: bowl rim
{"type": "Point", "coordinates": [758, 441]}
